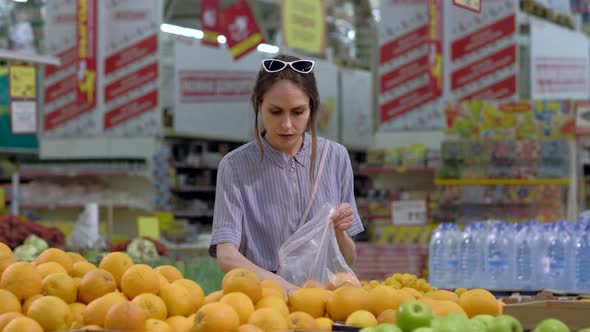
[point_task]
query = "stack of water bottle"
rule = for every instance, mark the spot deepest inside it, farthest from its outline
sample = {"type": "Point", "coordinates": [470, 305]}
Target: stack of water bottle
{"type": "Point", "coordinates": [497, 255]}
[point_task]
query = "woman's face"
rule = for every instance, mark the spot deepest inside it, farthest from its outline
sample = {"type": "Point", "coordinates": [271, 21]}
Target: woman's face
{"type": "Point", "coordinates": [285, 114]}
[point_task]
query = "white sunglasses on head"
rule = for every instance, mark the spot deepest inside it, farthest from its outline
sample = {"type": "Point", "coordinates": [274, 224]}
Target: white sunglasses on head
{"type": "Point", "coordinates": [300, 66]}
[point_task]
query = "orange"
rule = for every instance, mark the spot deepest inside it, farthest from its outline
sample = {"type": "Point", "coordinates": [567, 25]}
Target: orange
{"type": "Point", "coordinates": [479, 302]}
{"type": "Point", "coordinates": [215, 317]}
{"type": "Point", "coordinates": [125, 316]}
{"type": "Point", "coordinates": [169, 272]}
{"type": "Point", "coordinates": [273, 302]}
{"type": "Point", "coordinates": [309, 300]}
{"type": "Point", "coordinates": [60, 285]}
{"type": "Point", "coordinates": [139, 279]}
{"type": "Point", "coordinates": [501, 308]}
{"type": "Point", "coordinates": [9, 302]}
{"type": "Point", "coordinates": [163, 281]}
{"type": "Point", "coordinates": [269, 319]}
{"type": "Point", "coordinates": [300, 320]}
{"type": "Point", "coordinates": [213, 297]}
{"type": "Point", "coordinates": [95, 311]}
{"type": "Point", "coordinates": [81, 268]}
{"type": "Point", "coordinates": [56, 255]}
{"type": "Point", "coordinates": [383, 297]}
{"type": "Point", "coordinates": [324, 323]}
{"type": "Point", "coordinates": [443, 308]}
{"type": "Point", "coordinates": [273, 292]}
{"type": "Point", "coordinates": [23, 324]}
{"type": "Point", "coordinates": [95, 284]}
{"type": "Point", "coordinates": [344, 301]}
{"type": "Point", "coordinates": [28, 302]}
{"type": "Point", "coordinates": [414, 292]}
{"type": "Point", "coordinates": [52, 313]}
{"type": "Point", "coordinates": [50, 268]}
{"type": "Point", "coordinates": [460, 291]}
{"type": "Point", "coordinates": [249, 328]}
{"type": "Point", "coordinates": [272, 284]}
{"type": "Point", "coordinates": [443, 295]}
{"type": "Point", "coordinates": [387, 316]}
{"type": "Point", "coordinates": [153, 305]}
{"type": "Point", "coordinates": [77, 310]}
{"type": "Point", "coordinates": [116, 263]}
{"type": "Point", "coordinates": [92, 328]}
{"type": "Point", "coordinates": [341, 279]}
{"type": "Point", "coordinates": [178, 300]}
{"type": "Point", "coordinates": [361, 318]}
{"type": "Point", "coordinates": [22, 279]}
{"type": "Point", "coordinates": [156, 325]}
{"type": "Point", "coordinates": [312, 284]}
{"type": "Point", "coordinates": [6, 257]}
{"type": "Point", "coordinates": [241, 304]}
{"type": "Point", "coordinates": [5, 318]}
{"type": "Point", "coordinates": [196, 293]}
{"type": "Point", "coordinates": [242, 281]}
{"type": "Point", "coordinates": [180, 323]}
{"type": "Point", "coordinates": [76, 257]}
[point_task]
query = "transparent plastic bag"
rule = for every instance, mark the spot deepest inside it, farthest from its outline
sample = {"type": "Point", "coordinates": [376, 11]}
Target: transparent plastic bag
{"type": "Point", "coordinates": [312, 254]}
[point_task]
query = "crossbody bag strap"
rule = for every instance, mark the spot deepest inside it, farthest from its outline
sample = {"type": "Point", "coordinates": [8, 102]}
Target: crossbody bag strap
{"type": "Point", "coordinates": [316, 184]}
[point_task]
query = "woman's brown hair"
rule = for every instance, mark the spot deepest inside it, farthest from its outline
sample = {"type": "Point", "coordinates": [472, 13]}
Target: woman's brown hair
{"type": "Point", "coordinates": [305, 82]}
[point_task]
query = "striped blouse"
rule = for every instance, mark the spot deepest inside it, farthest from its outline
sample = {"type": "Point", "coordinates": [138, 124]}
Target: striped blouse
{"type": "Point", "coordinates": [258, 204]}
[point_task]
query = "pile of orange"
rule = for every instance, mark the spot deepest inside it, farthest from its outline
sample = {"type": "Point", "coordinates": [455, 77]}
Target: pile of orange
{"type": "Point", "coordinates": [62, 291]}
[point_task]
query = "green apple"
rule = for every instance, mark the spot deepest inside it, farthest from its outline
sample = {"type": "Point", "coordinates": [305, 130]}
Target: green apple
{"type": "Point", "coordinates": [586, 329]}
{"type": "Point", "coordinates": [367, 329]}
{"type": "Point", "coordinates": [477, 326]}
{"type": "Point", "coordinates": [387, 327]}
{"type": "Point", "coordinates": [451, 323]}
{"type": "Point", "coordinates": [551, 325]}
{"type": "Point", "coordinates": [505, 323]}
{"type": "Point", "coordinates": [424, 329]}
{"type": "Point", "coordinates": [412, 315]}
{"type": "Point", "coordinates": [485, 319]}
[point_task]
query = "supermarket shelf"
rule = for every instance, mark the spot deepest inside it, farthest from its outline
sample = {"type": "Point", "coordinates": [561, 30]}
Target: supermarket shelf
{"type": "Point", "coordinates": [193, 214]}
{"type": "Point", "coordinates": [194, 189]}
{"type": "Point", "coordinates": [29, 57]}
{"type": "Point", "coordinates": [179, 165]}
{"type": "Point", "coordinates": [392, 170]}
{"type": "Point", "coordinates": [484, 182]}
{"type": "Point", "coordinates": [73, 207]}
{"type": "Point", "coordinates": [29, 175]}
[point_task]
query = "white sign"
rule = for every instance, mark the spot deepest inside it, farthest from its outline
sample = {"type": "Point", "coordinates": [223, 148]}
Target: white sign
{"type": "Point", "coordinates": [409, 212]}
{"type": "Point", "coordinates": [560, 69]}
{"type": "Point", "coordinates": [357, 106]}
{"type": "Point", "coordinates": [23, 117]}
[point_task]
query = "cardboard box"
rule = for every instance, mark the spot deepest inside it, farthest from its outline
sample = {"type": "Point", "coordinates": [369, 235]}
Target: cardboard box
{"type": "Point", "coordinates": [572, 313]}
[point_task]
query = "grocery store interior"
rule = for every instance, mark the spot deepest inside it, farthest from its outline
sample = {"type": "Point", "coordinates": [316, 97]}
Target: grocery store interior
{"type": "Point", "coordinates": [456, 191]}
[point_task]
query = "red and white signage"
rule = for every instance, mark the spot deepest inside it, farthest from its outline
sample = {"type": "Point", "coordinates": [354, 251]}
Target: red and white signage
{"type": "Point", "coordinates": [129, 62]}
{"type": "Point", "coordinates": [481, 51]}
{"type": "Point", "coordinates": [210, 21]}
{"type": "Point", "coordinates": [202, 86]}
{"type": "Point", "coordinates": [240, 28]}
{"type": "Point", "coordinates": [407, 97]}
{"type": "Point", "coordinates": [67, 110]}
{"type": "Point", "coordinates": [559, 70]}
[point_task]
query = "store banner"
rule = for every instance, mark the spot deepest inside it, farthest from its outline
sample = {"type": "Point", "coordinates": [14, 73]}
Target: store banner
{"type": "Point", "coordinates": [481, 52]}
{"type": "Point", "coordinates": [406, 97]}
{"type": "Point", "coordinates": [240, 28]}
{"type": "Point", "coordinates": [63, 114]}
{"type": "Point", "coordinates": [11, 139]}
{"type": "Point", "coordinates": [472, 5]}
{"type": "Point", "coordinates": [210, 21]}
{"type": "Point", "coordinates": [560, 70]}
{"type": "Point", "coordinates": [130, 68]}
{"type": "Point", "coordinates": [304, 25]}
{"type": "Point", "coordinates": [435, 55]}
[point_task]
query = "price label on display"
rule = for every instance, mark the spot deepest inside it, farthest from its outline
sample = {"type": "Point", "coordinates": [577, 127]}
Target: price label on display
{"type": "Point", "coordinates": [408, 212]}
{"type": "Point", "coordinates": [473, 5]}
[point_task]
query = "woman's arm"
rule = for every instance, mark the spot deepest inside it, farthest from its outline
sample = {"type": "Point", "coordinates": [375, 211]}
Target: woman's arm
{"type": "Point", "coordinates": [229, 257]}
{"type": "Point", "coordinates": [347, 247]}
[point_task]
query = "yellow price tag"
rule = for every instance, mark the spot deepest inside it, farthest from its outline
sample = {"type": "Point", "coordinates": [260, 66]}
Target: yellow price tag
{"type": "Point", "coordinates": [166, 219]}
{"type": "Point", "coordinates": [23, 82]}
{"type": "Point", "coordinates": [149, 227]}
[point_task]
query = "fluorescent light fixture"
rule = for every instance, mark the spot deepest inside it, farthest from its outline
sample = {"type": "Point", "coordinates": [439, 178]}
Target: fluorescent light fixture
{"type": "Point", "coordinates": [198, 34]}
{"type": "Point", "coordinates": [351, 34]}
{"type": "Point", "coordinates": [21, 0]}
{"type": "Point", "coordinates": [178, 30]}
{"type": "Point", "coordinates": [266, 48]}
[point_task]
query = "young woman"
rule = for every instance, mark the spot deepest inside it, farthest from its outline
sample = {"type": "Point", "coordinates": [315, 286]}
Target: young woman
{"type": "Point", "coordinates": [265, 187]}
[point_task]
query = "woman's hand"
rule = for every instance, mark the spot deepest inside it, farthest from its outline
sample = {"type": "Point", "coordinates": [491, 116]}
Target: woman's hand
{"type": "Point", "coordinates": [287, 286]}
{"type": "Point", "coordinates": [342, 217]}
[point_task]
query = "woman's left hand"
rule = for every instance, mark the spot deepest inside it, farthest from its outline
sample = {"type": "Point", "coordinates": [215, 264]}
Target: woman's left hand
{"type": "Point", "coordinates": [342, 217]}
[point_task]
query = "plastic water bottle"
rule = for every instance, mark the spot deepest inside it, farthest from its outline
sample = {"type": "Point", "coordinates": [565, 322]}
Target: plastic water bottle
{"type": "Point", "coordinates": [498, 256]}
{"type": "Point", "coordinates": [582, 261]}
{"type": "Point", "coordinates": [524, 276]}
{"type": "Point", "coordinates": [469, 256]}
{"type": "Point", "coordinates": [556, 257]}
{"type": "Point", "coordinates": [443, 256]}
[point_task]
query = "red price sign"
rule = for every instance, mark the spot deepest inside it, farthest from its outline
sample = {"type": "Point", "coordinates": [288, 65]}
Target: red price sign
{"type": "Point", "coordinates": [472, 5]}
